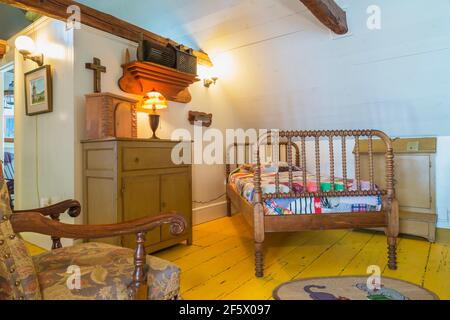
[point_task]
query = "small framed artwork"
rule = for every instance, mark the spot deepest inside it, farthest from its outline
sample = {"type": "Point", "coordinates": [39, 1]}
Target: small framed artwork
{"type": "Point", "coordinates": [38, 91]}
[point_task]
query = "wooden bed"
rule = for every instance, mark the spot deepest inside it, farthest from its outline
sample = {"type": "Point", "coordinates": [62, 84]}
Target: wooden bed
{"type": "Point", "coordinates": [294, 144]}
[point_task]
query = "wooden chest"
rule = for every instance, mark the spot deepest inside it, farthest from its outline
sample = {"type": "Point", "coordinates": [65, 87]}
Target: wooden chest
{"type": "Point", "coordinates": [109, 115]}
{"type": "Point", "coordinates": [126, 179]}
{"type": "Point", "coordinates": [415, 182]}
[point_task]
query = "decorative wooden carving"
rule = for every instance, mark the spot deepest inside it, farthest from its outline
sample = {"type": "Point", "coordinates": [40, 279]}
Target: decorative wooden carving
{"type": "Point", "coordinates": [109, 115]}
{"type": "Point", "coordinates": [98, 69]}
{"type": "Point", "coordinates": [204, 118]}
{"type": "Point", "coordinates": [2, 48]}
{"type": "Point", "coordinates": [142, 77]}
{"type": "Point", "coordinates": [57, 9]}
{"type": "Point", "coordinates": [329, 13]}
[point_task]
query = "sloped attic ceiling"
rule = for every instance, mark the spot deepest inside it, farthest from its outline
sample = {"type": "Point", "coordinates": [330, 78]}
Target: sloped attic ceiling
{"type": "Point", "coordinates": [12, 20]}
{"type": "Point", "coordinates": [195, 22]}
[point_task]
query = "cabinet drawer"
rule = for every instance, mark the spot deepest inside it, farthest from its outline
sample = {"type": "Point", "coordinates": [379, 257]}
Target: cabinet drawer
{"type": "Point", "coordinates": [147, 158]}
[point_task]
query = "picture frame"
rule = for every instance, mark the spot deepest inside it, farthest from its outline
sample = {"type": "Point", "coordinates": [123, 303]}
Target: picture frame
{"type": "Point", "coordinates": [38, 91]}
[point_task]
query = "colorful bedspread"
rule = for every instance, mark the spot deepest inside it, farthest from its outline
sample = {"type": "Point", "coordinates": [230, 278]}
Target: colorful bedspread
{"type": "Point", "coordinates": [243, 181]}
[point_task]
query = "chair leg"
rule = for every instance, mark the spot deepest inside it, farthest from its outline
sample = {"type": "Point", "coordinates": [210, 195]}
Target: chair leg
{"type": "Point", "coordinates": [259, 265]}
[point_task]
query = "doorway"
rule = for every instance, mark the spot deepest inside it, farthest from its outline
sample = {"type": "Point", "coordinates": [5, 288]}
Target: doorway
{"type": "Point", "coordinates": [7, 127]}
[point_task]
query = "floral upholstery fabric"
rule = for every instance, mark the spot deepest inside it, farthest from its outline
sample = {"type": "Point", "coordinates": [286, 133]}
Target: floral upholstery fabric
{"type": "Point", "coordinates": [18, 278]}
{"type": "Point", "coordinates": [105, 270]}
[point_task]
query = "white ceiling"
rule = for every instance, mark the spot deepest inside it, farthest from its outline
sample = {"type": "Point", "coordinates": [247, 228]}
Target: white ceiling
{"type": "Point", "coordinates": [195, 22]}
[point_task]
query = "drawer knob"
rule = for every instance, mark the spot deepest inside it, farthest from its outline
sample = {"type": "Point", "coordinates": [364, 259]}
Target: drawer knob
{"type": "Point", "coordinates": [136, 160]}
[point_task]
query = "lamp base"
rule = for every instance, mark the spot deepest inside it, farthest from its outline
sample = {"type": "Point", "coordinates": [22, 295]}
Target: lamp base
{"type": "Point", "coordinates": [154, 124]}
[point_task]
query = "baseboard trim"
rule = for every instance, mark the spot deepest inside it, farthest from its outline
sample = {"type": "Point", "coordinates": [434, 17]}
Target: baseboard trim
{"type": "Point", "coordinates": [443, 224]}
{"type": "Point", "coordinates": [208, 213]}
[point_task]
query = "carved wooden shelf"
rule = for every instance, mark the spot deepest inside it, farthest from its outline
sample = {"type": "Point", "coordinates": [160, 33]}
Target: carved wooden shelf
{"type": "Point", "coordinates": [2, 48]}
{"type": "Point", "coordinates": [142, 77]}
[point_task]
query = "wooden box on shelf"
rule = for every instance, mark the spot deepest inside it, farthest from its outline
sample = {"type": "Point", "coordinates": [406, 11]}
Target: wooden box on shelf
{"type": "Point", "coordinates": [109, 115]}
{"type": "Point", "coordinates": [126, 179]}
{"type": "Point", "coordinates": [415, 184]}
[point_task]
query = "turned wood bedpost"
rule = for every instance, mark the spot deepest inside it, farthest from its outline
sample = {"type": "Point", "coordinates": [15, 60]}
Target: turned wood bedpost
{"type": "Point", "coordinates": [227, 177]}
{"type": "Point", "coordinates": [258, 222]}
{"type": "Point", "coordinates": [391, 203]}
{"type": "Point", "coordinates": [393, 227]}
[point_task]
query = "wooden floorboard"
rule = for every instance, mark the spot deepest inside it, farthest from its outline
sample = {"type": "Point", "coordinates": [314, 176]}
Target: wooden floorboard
{"type": "Point", "coordinates": [303, 255]}
{"type": "Point", "coordinates": [220, 263]}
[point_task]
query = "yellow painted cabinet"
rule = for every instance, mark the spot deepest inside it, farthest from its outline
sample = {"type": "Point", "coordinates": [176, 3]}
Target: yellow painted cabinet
{"type": "Point", "coordinates": [127, 179]}
{"type": "Point", "coordinates": [140, 199]}
{"type": "Point", "coordinates": [175, 195]}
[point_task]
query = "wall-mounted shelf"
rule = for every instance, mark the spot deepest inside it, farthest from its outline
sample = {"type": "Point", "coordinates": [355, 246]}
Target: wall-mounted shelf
{"type": "Point", "coordinates": [142, 77]}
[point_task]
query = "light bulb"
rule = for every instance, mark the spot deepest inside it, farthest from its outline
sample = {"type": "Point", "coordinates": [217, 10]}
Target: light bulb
{"type": "Point", "coordinates": [25, 44]}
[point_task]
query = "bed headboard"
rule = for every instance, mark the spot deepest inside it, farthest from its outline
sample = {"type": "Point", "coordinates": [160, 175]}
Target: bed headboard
{"type": "Point", "coordinates": [292, 146]}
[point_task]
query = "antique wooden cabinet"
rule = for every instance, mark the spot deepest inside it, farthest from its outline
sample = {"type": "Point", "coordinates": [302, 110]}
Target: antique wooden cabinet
{"type": "Point", "coordinates": [125, 179]}
{"type": "Point", "coordinates": [414, 182]}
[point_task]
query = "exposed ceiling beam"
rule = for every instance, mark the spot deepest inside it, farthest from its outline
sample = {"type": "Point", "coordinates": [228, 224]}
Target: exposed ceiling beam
{"type": "Point", "coordinates": [329, 13]}
{"type": "Point", "coordinates": [57, 9]}
{"type": "Point", "coordinates": [2, 48]}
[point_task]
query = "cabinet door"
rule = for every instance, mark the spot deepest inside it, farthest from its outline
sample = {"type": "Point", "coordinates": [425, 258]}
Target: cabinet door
{"type": "Point", "coordinates": [176, 195]}
{"type": "Point", "coordinates": [141, 199]}
{"type": "Point", "coordinates": [412, 178]}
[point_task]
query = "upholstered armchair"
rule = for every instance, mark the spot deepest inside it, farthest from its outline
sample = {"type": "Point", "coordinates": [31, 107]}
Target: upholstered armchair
{"type": "Point", "coordinates": [105, 272]}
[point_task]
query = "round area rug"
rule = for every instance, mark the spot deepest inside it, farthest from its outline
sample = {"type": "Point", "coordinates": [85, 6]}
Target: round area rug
{"type": "Point", "coordinates": [350, 288]}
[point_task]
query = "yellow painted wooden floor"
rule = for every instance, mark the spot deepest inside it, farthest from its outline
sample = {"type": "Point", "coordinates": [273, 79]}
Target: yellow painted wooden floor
{"type": "Point", "coordinates": [220, 264]}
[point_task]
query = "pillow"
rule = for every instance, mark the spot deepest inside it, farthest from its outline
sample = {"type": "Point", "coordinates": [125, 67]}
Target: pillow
{"type": "Point", "coordinates": [18, 278]}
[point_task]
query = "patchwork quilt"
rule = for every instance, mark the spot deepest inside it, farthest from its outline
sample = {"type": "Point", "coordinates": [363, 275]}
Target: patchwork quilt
{"type": "Point", "coordinates": [243, 182]}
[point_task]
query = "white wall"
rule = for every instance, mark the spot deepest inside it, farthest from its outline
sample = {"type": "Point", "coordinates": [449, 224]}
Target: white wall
{"type": "Point", "coordinates": [44, 144]}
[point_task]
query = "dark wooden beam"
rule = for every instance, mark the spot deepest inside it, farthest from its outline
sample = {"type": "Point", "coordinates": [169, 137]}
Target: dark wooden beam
{"type": "Point", "coordinates": [329, 13]}
{"type": "Point", "coordinates": [57, 9]}
{"type": "Point", "coordinates": [2, 48]}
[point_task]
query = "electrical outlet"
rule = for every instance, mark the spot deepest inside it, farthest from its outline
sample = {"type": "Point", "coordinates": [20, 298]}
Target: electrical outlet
{"type": "Point", "coordinates": [413, 146]}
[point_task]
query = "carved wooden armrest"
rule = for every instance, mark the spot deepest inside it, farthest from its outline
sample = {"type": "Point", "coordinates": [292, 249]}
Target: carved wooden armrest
{"type": "Point", "coordinates": [72, 207]}
{"type": "Point", "coordinates": [36, 222]}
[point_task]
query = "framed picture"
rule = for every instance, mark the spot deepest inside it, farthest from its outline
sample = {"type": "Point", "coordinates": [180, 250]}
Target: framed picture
{"type": "Point", "coordinates": [38, 91]}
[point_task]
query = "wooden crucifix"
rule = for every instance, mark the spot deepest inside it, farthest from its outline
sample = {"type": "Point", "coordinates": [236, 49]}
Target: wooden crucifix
{"type": "Point", "coordinates": [98, 69]}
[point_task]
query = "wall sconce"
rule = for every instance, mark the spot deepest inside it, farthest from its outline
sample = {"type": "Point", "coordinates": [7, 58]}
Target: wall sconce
{"type": "Point", "coordinates": [26, 47]}
{"type": "Point", "coordinates": [208, 82]}
{"type": "Point", "coordinates": [206, 72]}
